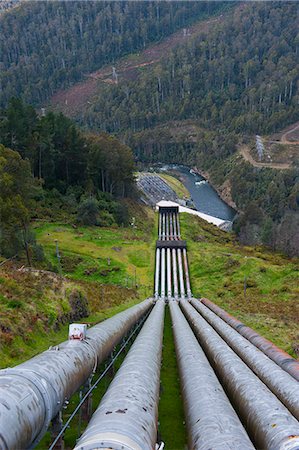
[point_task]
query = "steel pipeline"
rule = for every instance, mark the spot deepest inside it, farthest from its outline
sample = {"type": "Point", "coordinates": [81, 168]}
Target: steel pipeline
{"type": "Point", "coordinates": [269, 424]}
{"type": "Point", "coordinates": [128, 413]}
{"type": "Point", "coordinates": [283, 359]}
{"type": "Point", "coordinates": [211, 420]}
{"type": "Point", "coordinates": [32, 393]}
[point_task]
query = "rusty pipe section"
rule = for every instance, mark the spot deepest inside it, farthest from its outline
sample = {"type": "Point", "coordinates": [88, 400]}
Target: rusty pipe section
{"type": "Point", "coordinates": [278, 381]}
{"type": "Point", "coordinates": [283, 359]}
{"type": "Point", "coordinates": [269, 424]}
{"type": "Point", "coordinates": [128, 413]}
{"type": "Point", "coordinates": [32, 393]}
{"type": "Point", "coordinates": [212, 422]}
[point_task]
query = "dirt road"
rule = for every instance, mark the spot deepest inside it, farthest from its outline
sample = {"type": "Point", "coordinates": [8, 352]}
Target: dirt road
{"type": "Point", "coordinates": [245, 152]}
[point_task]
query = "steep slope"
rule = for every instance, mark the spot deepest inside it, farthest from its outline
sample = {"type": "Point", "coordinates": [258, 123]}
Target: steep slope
{"type": "Point", "coordinates": [242, 76]}
{"type": "Point", "coordinates": [55, 44]}
{"type": "Point", "coordinates": [75, 100]}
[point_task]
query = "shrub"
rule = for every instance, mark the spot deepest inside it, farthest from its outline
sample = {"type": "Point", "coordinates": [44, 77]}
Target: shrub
{"type": "Point", "coordinates": [88, 212]}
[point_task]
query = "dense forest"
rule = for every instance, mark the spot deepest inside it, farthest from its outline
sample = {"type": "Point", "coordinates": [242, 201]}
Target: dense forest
{"type": "Point", "coordinates": [50, 169]}
{"type": "Point", "coordinates": [242, 76]}
{"type": "Point", "coordinates": [46, 46]}
{"type": "Point", "coordinates": [238, 78]}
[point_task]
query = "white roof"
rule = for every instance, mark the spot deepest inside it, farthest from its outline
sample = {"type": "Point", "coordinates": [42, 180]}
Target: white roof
{"type": "Point", "coordinates": [211, 219]}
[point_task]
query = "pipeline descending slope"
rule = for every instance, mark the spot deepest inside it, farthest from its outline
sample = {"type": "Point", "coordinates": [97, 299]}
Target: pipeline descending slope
{"type": "Point", "coordinates": [172, 274]}
{"type": "Point", "coordinates": [127, 415]}
{"type": "Point", "coordinates": [278, 381]}
{"type": "Point", "coordinates": [270, 425]}
{"type": "Point", "coordinates": [283, 359]}
{"type": "Point", "coordinates": [211, 420]}
{"type": "Point", "coordinates": [32, 393]}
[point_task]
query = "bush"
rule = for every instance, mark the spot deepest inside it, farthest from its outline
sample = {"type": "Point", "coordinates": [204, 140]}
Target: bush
{"type": "Point", "coordinates": [88, 212]}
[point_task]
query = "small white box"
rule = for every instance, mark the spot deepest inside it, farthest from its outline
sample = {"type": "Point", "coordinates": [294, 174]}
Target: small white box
{"type": "Point", "coordinates": [77, 331]}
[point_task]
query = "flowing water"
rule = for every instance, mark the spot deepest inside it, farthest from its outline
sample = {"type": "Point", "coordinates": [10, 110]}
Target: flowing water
{"type": "Point", "coordinates": [203, 195]}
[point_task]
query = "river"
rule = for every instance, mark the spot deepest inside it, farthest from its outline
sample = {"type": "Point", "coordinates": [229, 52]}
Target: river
{"type": "Point", "coordinates": [203, 195]}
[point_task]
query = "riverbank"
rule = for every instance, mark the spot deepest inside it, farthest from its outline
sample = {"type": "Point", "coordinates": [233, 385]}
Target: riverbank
{"type": "Point", "coordinates": [224, 191]}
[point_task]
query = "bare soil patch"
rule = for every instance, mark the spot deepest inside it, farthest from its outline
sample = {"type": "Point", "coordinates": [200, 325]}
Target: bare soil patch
{"type": "Point", "coordinates": [73, 100]}
{"type": "Point", "coordinates": [246, 152]}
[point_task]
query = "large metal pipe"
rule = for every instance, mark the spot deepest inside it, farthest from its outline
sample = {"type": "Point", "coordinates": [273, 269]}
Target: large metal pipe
{"type": "Point", "coordinates": [278, 381]}
{"type": "Point", "coordinates": [163, 227]}
{"type": "Point", "coordinates": [188, 287]}
{"type": "Point", "coordinates": [160, 226]}
{"type": "Point", "coordinates": [174, 226]}
{"type": "Point", "coordinates": [181, 275]}
{"type": "Point", "coordinates": [175, 275]}
{"type": "Point", "coordinates": [270, 425]}
{"type": "Point", "coordinates": [211, 420]}
{"type": "Point", "coordinates": [167, 226]}
{"type": "Point", "coordinates": [163, 273]}
{"type": "Point", "coordinates": [32, 393]}
{"type": "Point", "coordinates": [178, 225]}
{"type": "Point", "coordinates": [127, 415]}
{"type": "Point", "coordinates": [169, 284]}
{"type": "Point", "coordinates": [170, 227]}
{"type": "Point", "coordinates": [283, 359]}
{"type": "Point", "coordinates": [157, 273]}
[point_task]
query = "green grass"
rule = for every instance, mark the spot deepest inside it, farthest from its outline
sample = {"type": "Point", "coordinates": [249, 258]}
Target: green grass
{"type": "Point", "coordinates": [113, 255]}
{"type": "Point", "coordinates": [175, 184]}
{"type": "Point", "coordinates": [171, 413]}
{"type": "Point", "coordinates": [219, 268]}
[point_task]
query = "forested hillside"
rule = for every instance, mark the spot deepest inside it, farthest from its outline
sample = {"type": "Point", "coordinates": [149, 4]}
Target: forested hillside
{"type": "Point", "coordinates": [46, 46]}
{"type": "Point", "coordinates": [242, 76]}
{"type": "Point", "coordinates": [232, 79]}
{"type": "Point", "coordinates": [50, 169]}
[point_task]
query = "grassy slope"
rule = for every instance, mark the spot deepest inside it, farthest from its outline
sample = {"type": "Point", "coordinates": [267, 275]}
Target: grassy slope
{"type": "Point", "coordinates": [35, 310]}
{"type": "Point", "coordinates": [105, 255]}
{"type": "Point", "coordinates": [35, 306]}
{"type": "Point", "coordinates": [218, 267]}
{"type": "Point", "coordinates": [176, 185]}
